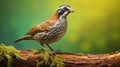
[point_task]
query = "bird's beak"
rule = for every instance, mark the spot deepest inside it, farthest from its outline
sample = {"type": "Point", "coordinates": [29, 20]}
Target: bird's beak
{"type": "Point", "coordinates": [71, 11]}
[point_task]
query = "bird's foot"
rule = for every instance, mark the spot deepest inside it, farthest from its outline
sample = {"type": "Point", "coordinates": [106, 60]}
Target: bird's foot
{"type": "Point", "coordinates": [52, 53]}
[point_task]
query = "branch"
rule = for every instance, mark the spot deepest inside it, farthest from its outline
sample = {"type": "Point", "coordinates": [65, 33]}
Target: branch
{"type": "Point", "coordinates": [31, 58]}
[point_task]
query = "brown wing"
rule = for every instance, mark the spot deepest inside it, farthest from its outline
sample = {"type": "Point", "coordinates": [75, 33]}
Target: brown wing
{"type": "Point", "coordinates": [45, 26]}
{"type": "Point", "coordinates": [33, 31]}
{"type": "Point", "coordinates": [39, 28]}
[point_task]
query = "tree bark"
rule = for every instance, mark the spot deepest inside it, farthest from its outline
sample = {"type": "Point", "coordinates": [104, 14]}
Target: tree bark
{"type": "Point", "coordinates": [71, 60]}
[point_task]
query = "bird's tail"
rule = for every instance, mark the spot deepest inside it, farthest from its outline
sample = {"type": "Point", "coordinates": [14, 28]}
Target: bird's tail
{"type": "Point", "coordinates": [26, 37]}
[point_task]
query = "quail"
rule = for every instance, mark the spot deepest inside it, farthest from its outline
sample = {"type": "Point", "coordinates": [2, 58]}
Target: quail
{"type": "Point", "coordinates": [50, 30]}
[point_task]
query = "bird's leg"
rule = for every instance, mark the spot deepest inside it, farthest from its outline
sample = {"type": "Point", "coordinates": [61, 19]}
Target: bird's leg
{"type": "Point", "coordinates": [50, 47]}
{"type": "Point", "coordinates": [52, 51]}
{"type": "Point", "coordinates": [43, 45]}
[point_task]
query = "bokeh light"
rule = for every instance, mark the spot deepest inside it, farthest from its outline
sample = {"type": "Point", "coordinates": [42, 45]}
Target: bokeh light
{"type": "Point", "coordinates": [92, 28]}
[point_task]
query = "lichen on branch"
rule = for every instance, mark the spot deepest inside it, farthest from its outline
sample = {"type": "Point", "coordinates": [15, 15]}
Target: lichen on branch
{"type": "Point", "coordinates": [46, 59]}
{"type": "Point", "coordinates": [43, 57]}
{"type": "Point", "coordinates": [8, 52]}
{"type": "Point", "coordinates": [11, 57]}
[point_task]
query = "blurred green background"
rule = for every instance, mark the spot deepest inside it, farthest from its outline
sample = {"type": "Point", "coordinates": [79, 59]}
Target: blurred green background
{"type": "Point", "coordinates": [93, 28]}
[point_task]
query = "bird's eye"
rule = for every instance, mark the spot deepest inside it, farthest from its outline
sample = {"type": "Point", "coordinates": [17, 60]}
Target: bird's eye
{"type": "Point", "coordinates": [60, 11]}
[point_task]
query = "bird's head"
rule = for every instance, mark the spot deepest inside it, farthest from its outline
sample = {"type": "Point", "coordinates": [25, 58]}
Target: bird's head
{"type": "Point", "coordinates": [64, 10]}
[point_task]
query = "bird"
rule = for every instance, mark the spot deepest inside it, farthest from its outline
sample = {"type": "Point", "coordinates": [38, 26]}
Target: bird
{"type": "Point", "coordinates": [50, 30]}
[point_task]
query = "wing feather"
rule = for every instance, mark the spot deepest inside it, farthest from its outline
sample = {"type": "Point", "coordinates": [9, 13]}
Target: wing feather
{"type": "Point", "coordinates": [45, 26]}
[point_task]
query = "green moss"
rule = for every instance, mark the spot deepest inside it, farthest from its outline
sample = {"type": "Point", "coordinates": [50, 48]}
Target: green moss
{"type": "Point", "coordinates": [44, 60]}
{"type": "Point", "coordinates": [47, 60]}
{"type": "Point", "coordinates": [58, 61]}
{"type": "Point", "coordinates": [8, 52]}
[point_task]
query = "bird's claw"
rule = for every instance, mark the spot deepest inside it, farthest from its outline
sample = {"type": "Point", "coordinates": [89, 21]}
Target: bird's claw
{"type": "Point", "coordinates": [52, 53]}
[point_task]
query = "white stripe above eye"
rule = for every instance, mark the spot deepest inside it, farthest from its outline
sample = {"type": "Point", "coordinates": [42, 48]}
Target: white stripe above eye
{"type": "Point", "coordinates": [63, 7]}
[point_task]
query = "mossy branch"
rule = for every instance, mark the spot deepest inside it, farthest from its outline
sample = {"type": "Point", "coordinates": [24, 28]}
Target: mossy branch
{"type": "Point", "coordinates": [11, 57]}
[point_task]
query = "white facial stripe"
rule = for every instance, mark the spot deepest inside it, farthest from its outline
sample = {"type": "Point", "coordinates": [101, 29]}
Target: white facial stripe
{"type": "Point", "coordinates": [65, 13]}
{"type": "Point", "coordinates": [69, 8]}
{"type": "Point", "coordinates": [63, 7]}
